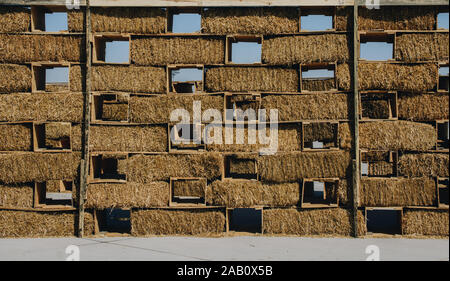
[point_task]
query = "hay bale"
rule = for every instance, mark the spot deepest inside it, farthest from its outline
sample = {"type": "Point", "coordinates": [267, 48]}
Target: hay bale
{"type": "Point", "coordinates": [425, 222]}
{"type": "Point", "coordinates": [345, 136]}
{"type": "Point", "coordinates": [14, 19]}
{"type": "Point", "coordinates": [381, 168]}
{"type": "Point", "coordinates": [261, 20]}
{"type": "Point", "coordinates": [148, 168]}
{"type": "Point", "coordinates": [423, 107]}
{"type": "Point", "coordinates": [55, 133]}
{"type": "Point", "coordinates": [318, 85]}
{"type": "Point", "coordinates": [189, 187]}
{"type": "Point", "coordinates": [397, 135]}
{"type": "Point", "coordinates": [298, 49]}
{"type": "Point", "coordinates": [335, 221]}
{"type": "Point", "coordinates": [21, 224]}
{"type": "Point", "coordinates": [345, 193]}
{"type": "Point", "coordinates": [16, 137]}
{"type": "Point", "coordinates": [398, 18]}
{"type": "Point", "coordinates": [296, 166]}
{"type": "Point", "coordinates": [248, 193]}
{"type": "Point", "coordinates": [319, 131]}
{"type": "Point", "coordinates": [343, 20]}
{"type": "Point", "coordinates": [128, 138]}
{"type": "Point", "coordinates": [416, 47]}
{"type": "Point", "coordinates": [139, 20]}
{"type": "Point", "coordinates": [344, 77]}
{"type": "Point", "coordinates": [236, 79]}
{"type": "Point", "coordinates": [423, 165]}
{"type": "Point", "coordinates": [177, 50]}
{"type": "Point", "coordinates": [75, 20]}
{"type": "Point", "coordinates": [26, 48]}
{"type": "Point", "coordinates": [157, 109]}
{"type": "Point", "coordinates": [308, 107]}
{"type": "Point", "coordinates": [16, 196]}
{"type": "Point", "coordinates": [21, 81]}
{"type": "Point", "coordinates": [397, 192]}
{"type": "Point", "coordinates": [41, 107]}
{"type": "Point", "coordinates": [177, 222]}
{"type": "Point", "coordinates": [375, 106]}
{"type": "Point", "coordinates": [109, 195]}
{"type": "Point", "coordinates": [76, 137]}
{"type": "Point", "coordinates": [115, 111]}
{"type": "Point", "coordinates": [30, 166]}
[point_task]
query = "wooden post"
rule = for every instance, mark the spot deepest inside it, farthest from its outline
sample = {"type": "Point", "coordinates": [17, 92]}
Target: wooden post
{"type": "Point", "coordinates": [356, 172]}
{"type": "Point", "coordinates": [84, 165]}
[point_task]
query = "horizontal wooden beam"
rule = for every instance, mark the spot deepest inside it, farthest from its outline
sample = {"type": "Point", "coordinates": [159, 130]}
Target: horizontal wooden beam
{"type": "Point", "coordinates": [223, 3]}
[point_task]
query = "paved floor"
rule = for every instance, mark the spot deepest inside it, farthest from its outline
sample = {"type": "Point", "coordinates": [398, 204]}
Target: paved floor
{"type": "Point", "coordinates": [233, 248]}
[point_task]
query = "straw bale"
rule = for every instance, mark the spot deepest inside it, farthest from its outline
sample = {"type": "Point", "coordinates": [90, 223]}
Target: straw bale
{"type": "Point", "coordinates": [345, 192]}
{"type": "Point", "coordinates": [14, 19]}
{"type": "Point", "coordinates": [344, 76]}
{"type": "Point", "coordinates": [261, 20]}
{"type": "Point", "coordinates": [335, 221]}
{"type": "Point", "coordinates": [128, 138]}
{"type": "Point", "coordinates": [299, 49]}
{"type": "Point", "coordinates": [318, 85]}
{"type": "Point", "coordinates": [109, 195]}
{"type": "Point", "coordinates": [15, 78]}
{"type": "Point", "coordinates": [177, 222]}
{"type": "Point", "coordinates": [148, 168]}
{"type": "Point", "coordinates": [177, 50]}
{"type": "Point", "coordinates": [157, 109]}
{"type": "Point", "coordinates": [397, 135]}
{"type": "Point", "coordinates": [423, 165]}
{"type": "Point", "coordinates": [425, 222]}
{"type": "Point", "coordinates": [53, 186]}
{"type": "Point", "coordinates": [16, 137]}
{"type": "Point", "coordinates": [416, 47]}
{"type": "Point", "coordinates": [16, 196]}
{"type": "Point", "coordinates": [381, 168]}
{"type": "Point", "coordinates": [56, 132]}
{"type": "Point", "coordinates": [42, 107]}
{"type": "Point", "coordinates": [248, 193]}
{"type": "Point", "coordinates": [28, 48]}
{"type": "Point", "coordinates": [375, 108]}
{"type": "Point", "coordinates": [115, 111]}
{"type": "Point", "coordinates": [344, 18]}
{"type": "Point", "coordinates": [235, 79]}
{"type": "Point", "coordinates": [319, 131]}
{"type": "Point", "coordinates": [296, 166]}
{"type": "Point", "coordinates": [309, 107]}
{"type": "Point", "coordinates": [76, 137]}
{"type": "Point", "coordinates": [189, 187]}
{"type": "Point", "coordinates": [423, 107]}
{"type": "Point", "coordinates": [397, 192]}
{"type": "Point", "coordinates": [75, 20]}
{"type": "Point", "coordinates": [345, 136]}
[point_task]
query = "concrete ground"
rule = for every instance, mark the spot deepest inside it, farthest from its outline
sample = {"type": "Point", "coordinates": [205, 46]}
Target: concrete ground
{"type": "Point", "coordinates": [245, 248]}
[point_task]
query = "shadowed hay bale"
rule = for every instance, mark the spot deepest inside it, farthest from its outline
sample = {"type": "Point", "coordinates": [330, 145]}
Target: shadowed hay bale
{"type": "Point", "coordinates": [26, 48]}
{"type": "Point", "coordinates": [57, 132]}
{"type": "Point", "coordinates": [115, 111]}
{"type": "Point", "coordinates": [76, 137]}
{"type": "Point", "coordinates": [14, 19]}
{"type": "Point", "coordinates": [236, 79]}
{"type": "Point", "coordinates": [148, 168]}
{"type": "Point", "coordinates": [319, 131]}
{"type": "Point", "coordinates": [397, 18]}
{"type": "Point", "coordinates": [41, 107]}
{"type": "Point", "coordinates": [423, 165]}
{"type": "Point", "coordinates": [345, 136]}
{"type": "Point", "coordinates": [21, 81]}
{"type": "Point", "coordinates": [397, 135]}
{"type": "Point", "coordinates": [334, 221]}
{"type": "Point", "coordinates": [397, 192]}
{"type": "Point", "coordinates": [425, 222]}
{"type": "Point", "coordinates": [305, 49]}
{"type": "Point", "coordinates": [345, 192]}
{"type": "Point", "coordinates": [423, 107]}
{"type": "Point", "coordinates": [344, 18]}
{"type": "Point", "coordinates": [308, 107]}
{"type": "Point", "coordinates": [239, 165]}
{"type": "Point", "coordinates": [52, 186]}
{"type": "Point", "coordinates": [296, 166]}
{"type": "Point", "coordinates": [157, 109]}
{"type": "Point", "coordinates": [381, 168]}
{"type": "Point", "coordinates": [375, 108]}
{"type": "Point", "coordinates": [421, 47]}
{"type": "Point", "coordinates": [75, 20]}
{"type": "Point", "coordinates": [15, 137]}
{"type": "Point", "coordinates": [248, 193]}
{"type": "Point", "coordinates": [179, 222]}
{"type": "Point", "coordinates": [189, 187]}
{"type": "Point", "coordinates": [129, 20]}
{"type": "Point", "coordinates": [154, 194]}
{"type": "Point", "coordinates": [28, 167]}
{"type": "Point", "coordinates": [317, 85]}
{"type": "Point", "coordinates": [173, 50]}
{"type": "Point", "coordinates": [128, 138]}
{"type": "Point", "coordinates": [271, 20]}
{"type": "Point", "coordinates": [16, 196]}
{"type": "Point", "coordinates": [42, 224]}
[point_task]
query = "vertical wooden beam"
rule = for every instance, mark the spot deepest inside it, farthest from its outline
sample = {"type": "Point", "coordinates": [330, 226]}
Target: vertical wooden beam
{"type": "Point", "coordinates": [84, 166]}
{"type": "Point", "coordinates": [356, 170]}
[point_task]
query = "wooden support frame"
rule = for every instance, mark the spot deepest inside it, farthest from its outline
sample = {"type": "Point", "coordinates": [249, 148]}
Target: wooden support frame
{"type": "Point", "coordinates": [392, 157]}
{"type": "Point", "coordinates": [39, 138]}
{"type": "Point", "coordinates": [100, 221]}
{"type": "Point", "coordinates": [392, 102]}
{"type": "Point", "coordinates": [38, 74]}
{"type": "Point", "coordinates": [190, 147]}
{"type": "Point", "coordinates": [442, 186]}
{"type": "Point", "coordinates": [394, 209]}
{"type": "Point", "coordinates": [388, 37]}
{"type": "Point", "coordinates": [38, 17]}
{"type": "Point", "coordinates": [227, 174]}
{"type": "Point", "coordinates": [98, 166]}
{"type": "Point", "coordinates": [317, 66]}
{"type": "Point", "coordinates": [185, 201]}
{"type": "Point", "coordinates": [247, 98]}
{"type": "Point", "coordinates": [318, 10]}
{"type": "Point", "coordinates": [174, 87]}
{"type": "Point", "coordinates": [229, 220]}
{"type": "Point", "coordinates": [442, 133]}
{"type": "Point", "coordinates": [40, 196]}
{"type": "Point", "coordinates": [97, 102]}
{"type": "Point", "coordinates": [334, 145]}
{"type": "Point", "coordinates": [443, 80]}
{"type": "Point", "coordinates": [188, 9]}
{"type": "Point", "coordinates": [230, 39]}
{"type": "Point", "coordinates": [329, 184]}
{"type": "Point", "coordinates": [99, 50]}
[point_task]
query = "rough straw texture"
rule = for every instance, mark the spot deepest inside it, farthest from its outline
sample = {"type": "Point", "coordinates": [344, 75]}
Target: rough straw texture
{"type": "Point", "coordinates": [289, 50]}
{"type": "Point", "coordinates": [423, 107]}
{"type": "Point", "coordinates": [16, 137]}
{"type": "Point", "coordinates": [397, 192]}
{"type": "Point", "coordinates": [425, 222]}
{"type": "Point", "coordinates": [181, 50]}
{"type": "Point", "coordinates": [397, 135]}
{"type": "Point", "coordinates": [14, 19]}
{"type": "Point", "coordinates": [177, 222]}
{"type": "Point", "coordinates": [16, 196]}
{"type": "Point", "coordinates": [423, 165]}
{"type": "Point", "coordinates": [418, 47]}
{"type": "Point", "coordinates": [15, 78]}
{"type": "Point", "coordinates": [250, 20]}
